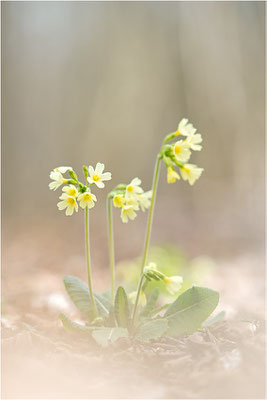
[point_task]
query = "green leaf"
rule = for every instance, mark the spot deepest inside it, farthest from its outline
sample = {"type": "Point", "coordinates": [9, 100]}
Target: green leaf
{"type": "Point", "coordinates": [186, 314]}
{"type": "Point", "coordinates": [122, 313]}
{"type": "Point", "coordinates": [211, 321]}
{"type": "Point", "coordinates": [153, 329]}
{"type": "Point", "coordinates": [105, 336]}
{"type": "Point", "coordinates": [151, 302]}
{"type": "Point", "coordinates": [79, 294]}
{"type": "Point", "coordinates": [72, 326]}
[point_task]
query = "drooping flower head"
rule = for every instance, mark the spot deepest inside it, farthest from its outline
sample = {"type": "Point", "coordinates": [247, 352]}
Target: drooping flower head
{"type": "Point", "coordinates": [178, 154]}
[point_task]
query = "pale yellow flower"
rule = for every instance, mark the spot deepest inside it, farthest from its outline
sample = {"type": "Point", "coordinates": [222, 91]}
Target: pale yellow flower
{"type": "Point", "coordinates": [69, 203]}
{"type": "Point", "coordinates": [144, 200]}
{"type": "Point", "coordinates": [191, 173]}
{"type": "Point", "coordinates": [133, 188]}
{"type": "Point", "coordinates": [97, 176]}
{"type": "Point", "coordinates": [63, 169]}
{"type": "Point", "coordinates": [70, 190]}
{"type": "Point", "coordinates": [194, 141]}
{"type": "Point", "coordinates": [173, 283]}
{"type": "Point", "coordinates": [133, 202]}
{"type": "Point", "coordinates": [118, 200]}
{"type": "Point", "coordinates": [128, 212]}
{"type": "Point", "coordinates": [185, 128]}
{"type": "Point", "coordinates": [87, 199]}
{"type": "Point", "coordinates": [57, 178]}
{"type": "Point", "coordinates": [172, 175]}
{"type": "Point", "coordinates": [181, 151]}
{"type": "Point", "coordinates": [142, 298]}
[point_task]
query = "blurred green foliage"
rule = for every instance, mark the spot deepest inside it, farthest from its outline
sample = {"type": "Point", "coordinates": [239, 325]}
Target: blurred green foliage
{"type": "Point", "coordinates": [171, 261]}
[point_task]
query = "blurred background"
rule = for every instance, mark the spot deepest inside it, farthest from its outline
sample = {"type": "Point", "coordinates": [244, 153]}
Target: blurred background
{"type": "Point", "coordinates": [106, 81]}
{"type": "Point", "coordinates": [84, 82]}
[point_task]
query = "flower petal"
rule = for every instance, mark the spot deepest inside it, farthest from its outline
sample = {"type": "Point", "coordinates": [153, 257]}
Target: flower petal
{"type": "Point", "coordinates": [99, 168]}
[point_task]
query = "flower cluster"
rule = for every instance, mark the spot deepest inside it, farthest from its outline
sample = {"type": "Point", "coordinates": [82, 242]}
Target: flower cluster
{"type": "Point", "coordinates": [178, 153]}
{"type": "Point", "coordinates": [130, 198]}
{"type": "Point", "coordinates": [75, 191]}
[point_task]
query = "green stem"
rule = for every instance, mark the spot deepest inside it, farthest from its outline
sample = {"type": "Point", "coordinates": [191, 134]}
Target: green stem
{"type": "Point", "coordinates": [139, 287]}
{"type": "Point", "coordinates": [89, 273]}
{"type": "Point", "coordinates": [148, 232]}
{"type": "Point", "coordinates": [111, 248]}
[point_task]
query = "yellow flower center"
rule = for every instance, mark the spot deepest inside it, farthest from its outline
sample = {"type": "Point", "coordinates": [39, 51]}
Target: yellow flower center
{"type": "Point", "coordinates": [72, 192]}
{"type": "Point", "coordinates": [87, 197]}
{"type": "Point", "coordinates": [96, 178]}
{"type": "Point", "coordinates": [70, 201]}
{"type": "Point", "coordinates": [130, 188]}
{"type": "Point", "coordinates": [177, 149]}
{"type": "Point", "coordinates": [118, 201]}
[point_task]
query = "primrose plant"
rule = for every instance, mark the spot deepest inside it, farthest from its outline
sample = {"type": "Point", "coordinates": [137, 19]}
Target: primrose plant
{"type": "Point", "coordinates": [134, 316]}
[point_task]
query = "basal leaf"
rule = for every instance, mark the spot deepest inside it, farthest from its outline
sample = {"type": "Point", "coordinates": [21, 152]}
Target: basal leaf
{"type": "Point", "coordinates": [186, 314]}
{"type": "Point", "coordinates": [79, 294]}
{"type": "Point", "coordinates": [153, 329]}
{"type": "Point", "coordinates": [105, 336]}
{"type": "Point", "coordinates": [122, 313]}
{"type": "Point", "coordinates": [72, 326]}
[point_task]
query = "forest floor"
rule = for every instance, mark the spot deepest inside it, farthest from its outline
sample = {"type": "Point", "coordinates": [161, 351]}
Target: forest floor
{"type": "Point", "coordinates": [40, 360]}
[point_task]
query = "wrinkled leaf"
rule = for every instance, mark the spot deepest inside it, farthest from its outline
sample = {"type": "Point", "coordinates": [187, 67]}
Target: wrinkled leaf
{"type": "Point", "coordinates": [79, 294]}
{"type": "Point", "coordinates": [186, 314]}
{"type": "Point", "coordinates": [153, 329]}
{"type": "Point", "coordinates": [122, 313]}
{"type": "Point", "coordinates": [105, 336]}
